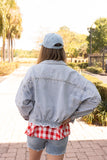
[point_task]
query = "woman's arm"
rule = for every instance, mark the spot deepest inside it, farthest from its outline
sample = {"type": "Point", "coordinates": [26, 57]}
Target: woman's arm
{"type": "Point", "coordinates": [25, 96]}
{"type": "Point", "coordinates": [89, 101]}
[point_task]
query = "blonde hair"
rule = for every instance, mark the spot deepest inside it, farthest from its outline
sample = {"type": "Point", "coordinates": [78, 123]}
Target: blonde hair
{"type": "Point", "coordinates": [51, 54]}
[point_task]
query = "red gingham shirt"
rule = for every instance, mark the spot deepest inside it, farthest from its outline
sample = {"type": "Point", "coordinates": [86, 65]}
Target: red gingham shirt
{"type": "Point", "coordinates": [47, 132]}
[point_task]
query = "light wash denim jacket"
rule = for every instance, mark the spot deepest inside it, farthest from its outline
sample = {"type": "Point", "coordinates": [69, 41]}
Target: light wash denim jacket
{"type": "Point", "coordinates": [51, 92]}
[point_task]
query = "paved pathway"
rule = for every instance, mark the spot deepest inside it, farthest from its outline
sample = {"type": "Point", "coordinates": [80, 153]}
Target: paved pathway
{"type": "Point", "coordinates": [85, 142]}
{"type": "Point", "coordinates": [103, 78]}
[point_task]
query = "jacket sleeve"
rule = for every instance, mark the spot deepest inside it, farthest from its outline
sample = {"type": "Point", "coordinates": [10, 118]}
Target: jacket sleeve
{"type": "Point", "coordinates": [25, 96]}
{"type": "Point", "coordinates": [89, 101]}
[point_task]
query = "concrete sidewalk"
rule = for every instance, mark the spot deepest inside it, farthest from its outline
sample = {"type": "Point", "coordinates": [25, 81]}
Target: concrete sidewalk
{"type": "Point", "coordinates": [85, 142]}
{"type": "Point", "coordinates": [102, 78]}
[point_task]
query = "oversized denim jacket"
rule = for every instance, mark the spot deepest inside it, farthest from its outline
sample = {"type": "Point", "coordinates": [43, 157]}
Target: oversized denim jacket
{"type": "Point", "coordinates": [51, 92]}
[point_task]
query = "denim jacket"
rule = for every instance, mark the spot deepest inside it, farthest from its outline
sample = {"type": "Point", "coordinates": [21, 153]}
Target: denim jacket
{"type": "Point", "coordinates": [51, 92]}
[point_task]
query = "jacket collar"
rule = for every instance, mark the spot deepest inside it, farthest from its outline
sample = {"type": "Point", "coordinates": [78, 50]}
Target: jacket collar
{"type": "Point", "coordinates": [53, 62]}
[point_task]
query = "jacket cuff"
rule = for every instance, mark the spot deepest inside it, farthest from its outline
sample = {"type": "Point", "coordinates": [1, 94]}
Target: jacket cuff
{"type": "Point", "coordinates": [78, 114]}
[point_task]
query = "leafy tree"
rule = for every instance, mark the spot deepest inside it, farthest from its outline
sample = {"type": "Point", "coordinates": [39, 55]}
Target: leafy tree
{"type": "Point", "coordinates": [83, 50]}
{"type": "Point", "coordinates": [74, 44]}
{"type": "Point", "coordinates": [98, 35]}
{"type": "Point", "coordinates": [67, 36]}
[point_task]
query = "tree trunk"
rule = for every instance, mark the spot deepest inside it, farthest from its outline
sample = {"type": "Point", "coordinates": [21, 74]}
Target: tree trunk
{"type": "Point", "coordinates": [3, 51]}
{"type": "Point", "coordinates": [3, 54]}
{"type": "Point", "coordinates": [11, 49]}
{"type": "Point", "coordinates": [9, 56]}
{"type": "Point", "coordinates": [103, 60]}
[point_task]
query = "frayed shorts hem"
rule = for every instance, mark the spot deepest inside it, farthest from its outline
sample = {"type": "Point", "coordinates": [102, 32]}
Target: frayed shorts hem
{"type": "Point", "coordinates": [55, 154]}
{"type": "Point", "coordinates": [53, 147]}
{"type": "Point", "coordinates": [36, 149]}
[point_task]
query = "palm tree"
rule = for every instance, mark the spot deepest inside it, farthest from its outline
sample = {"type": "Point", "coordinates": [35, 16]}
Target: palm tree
{"type": "Point", "coordinates": [10, 25]}
{"type": "Point", "coordinates": [3, 26]}
{"type": "Point", "coordinates": [15, 29]}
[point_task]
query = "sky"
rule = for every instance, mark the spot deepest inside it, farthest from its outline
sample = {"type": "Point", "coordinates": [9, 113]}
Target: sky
{"type": "Point", "coordinates": [44, 16]}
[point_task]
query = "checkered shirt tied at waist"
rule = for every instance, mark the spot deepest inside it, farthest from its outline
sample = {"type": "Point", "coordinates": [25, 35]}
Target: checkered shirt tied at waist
{"type": "Point", "coordinates": [47, 132]}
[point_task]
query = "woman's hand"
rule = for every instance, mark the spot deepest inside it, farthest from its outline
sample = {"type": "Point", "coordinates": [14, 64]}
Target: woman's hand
{"type": "Point", "coordinates": [66, 121]}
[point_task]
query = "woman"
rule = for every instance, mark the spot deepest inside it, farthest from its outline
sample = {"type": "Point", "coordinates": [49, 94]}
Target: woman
{"type": "Point", "coordinates": [50, 96]}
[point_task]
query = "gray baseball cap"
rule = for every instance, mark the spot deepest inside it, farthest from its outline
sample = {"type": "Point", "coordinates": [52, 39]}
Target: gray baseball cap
{"type": "Point", "coordinates": [51, 39]}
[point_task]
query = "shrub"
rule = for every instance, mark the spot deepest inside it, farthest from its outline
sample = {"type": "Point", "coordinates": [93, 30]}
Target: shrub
{"type": "Point", "coordinates": [73, 65]}
{"type": "Point", "coordinates": [83, 65]}
{"type": "Point", "coordinates": [102, 88]}
{"type": "Point", "coordinates": [7, 68]}
{"type": "Point", "coordinates": [80, 65]}
{"type": "Point", "coordinates": [92, 79]}
{"type": "Point", "coordinates": [26, 54]}
{"type": "Point", "coordinates": [98, 116]}
{"type": "Point", "coordinates": [103, 91]}
{"type": "Point", "coordinates": [95, 70]}
{"type": "Point", "coordinates": [98, 64]}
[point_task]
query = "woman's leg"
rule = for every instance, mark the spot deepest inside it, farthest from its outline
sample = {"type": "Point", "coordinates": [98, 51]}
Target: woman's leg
{"type": "Point", "coordinates": [34, 155]}
{"type": "Point", "coordinates": [55, 157]}
{"type": "Point", "coordinates": [56, 149]}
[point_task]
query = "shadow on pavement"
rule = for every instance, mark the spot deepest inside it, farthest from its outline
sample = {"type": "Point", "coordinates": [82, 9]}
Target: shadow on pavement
{"type": "Point", "coordinates": [76, 150]}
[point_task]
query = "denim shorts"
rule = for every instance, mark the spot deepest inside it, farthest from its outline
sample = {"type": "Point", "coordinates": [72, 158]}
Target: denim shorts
{"type": "Point", "coordinates": [53, 147]}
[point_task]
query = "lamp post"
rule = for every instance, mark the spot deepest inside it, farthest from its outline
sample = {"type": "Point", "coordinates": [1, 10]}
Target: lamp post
{"type": "Point", "coordinates": [91, 30]}
{"type": "Point", "coordinates": [103, 60]}
{"type": "Point", "coordinates": [106, 66]}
